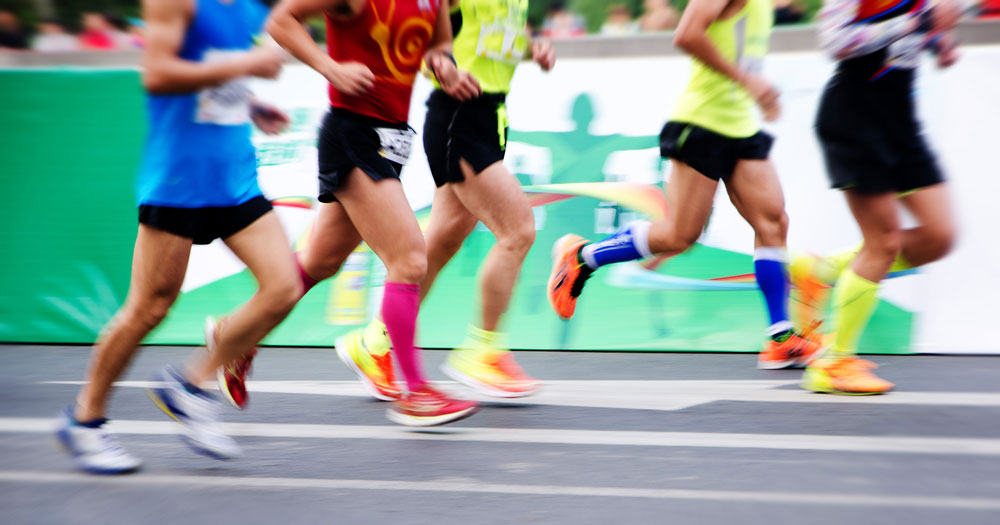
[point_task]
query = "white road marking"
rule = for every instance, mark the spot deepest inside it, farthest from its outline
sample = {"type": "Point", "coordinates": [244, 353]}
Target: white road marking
{"type": "Point", "coordinates": [640, 395]}
{"type": "Point", "coordinates": [471, 486]}
{"type": "Point", "coordinates": [879, 444]}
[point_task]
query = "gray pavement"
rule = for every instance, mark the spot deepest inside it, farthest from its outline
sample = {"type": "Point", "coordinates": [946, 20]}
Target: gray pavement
{"type": "Point", "coordinates": [637, 437]}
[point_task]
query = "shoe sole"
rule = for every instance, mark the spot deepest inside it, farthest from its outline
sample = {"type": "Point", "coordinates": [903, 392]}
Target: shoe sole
{"type": "Point", "coordinates": [483, 388]}
{"type": "Point", "coordinates": [157, 397]}
{"type": "Point", "coordinates": [340, 346]}
{"type": "Point", "coordinates": [411, 421]}
{"type": "Point", "coordinates": [557, 257]}
{"type": "Point", "coordinates": [813, 386]}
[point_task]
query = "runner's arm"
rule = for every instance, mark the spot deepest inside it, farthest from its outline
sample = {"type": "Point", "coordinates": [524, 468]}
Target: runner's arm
{"type": "Point", "coordinates": [440, 60]}
{"type": "Point", "coordinates": [163, 72]}
{"type": "Point", "coordinates": [843, 37]}
{"type": "Point", "coordinates": [691, 37]}
{"type": "Point", "coordinates": [285, 26]}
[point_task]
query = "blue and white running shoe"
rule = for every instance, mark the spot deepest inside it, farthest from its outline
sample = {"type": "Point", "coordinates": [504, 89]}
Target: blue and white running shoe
{"type": "Point", "coordinates": [93, 448]}
{"type": "Point", "coordinates": [198, 413]}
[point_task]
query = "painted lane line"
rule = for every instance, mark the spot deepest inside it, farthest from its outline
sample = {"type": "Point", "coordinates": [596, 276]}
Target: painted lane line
{"type": "Point", "coordinates": [863, 444]}
{"type": "Point", "coordinates": [472, 486]}
{"type": "Point", "coordinates": [640, 395]}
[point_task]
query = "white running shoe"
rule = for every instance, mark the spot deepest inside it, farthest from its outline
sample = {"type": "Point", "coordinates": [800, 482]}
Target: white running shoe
{"type": "Point", "coordinates": [94, 449]}
{"type": "Point", "coordinates": [197, 413]}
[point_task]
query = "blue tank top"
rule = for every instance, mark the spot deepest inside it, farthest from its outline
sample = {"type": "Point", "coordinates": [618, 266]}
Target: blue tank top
{"type": "Point", "coordinates": [198, 151]}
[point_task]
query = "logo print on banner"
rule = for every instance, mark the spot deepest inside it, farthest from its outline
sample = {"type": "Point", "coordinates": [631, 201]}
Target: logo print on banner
{"type": "Point", "coordinates": [403, 50]}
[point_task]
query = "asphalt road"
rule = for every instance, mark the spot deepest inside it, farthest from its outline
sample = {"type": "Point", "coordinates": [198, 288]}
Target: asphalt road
{"type": "Point", "coordinates": [634, 438]}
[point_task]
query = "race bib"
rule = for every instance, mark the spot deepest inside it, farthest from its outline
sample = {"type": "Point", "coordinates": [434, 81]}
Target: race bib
{"type": "Point", "coordinates": [396, 144]}
{"type": "Point", "coordinates": [228, 104]}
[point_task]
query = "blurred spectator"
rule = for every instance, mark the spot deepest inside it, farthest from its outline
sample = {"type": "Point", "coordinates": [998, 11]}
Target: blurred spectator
{"type": "Point", "coordinates": [788, 12]}
{"type": "Point", "coordinates": [658, 15]}
{"type": "Point", "coordinates": [12, 35]}
{"type": "Point", "coordinates": [619, 21]}
{"type": "Point", "coordinates": [990, 9]}
{"type": "Point", "coordinates": [561, 22]}
{"type": "Point", "coordinates": [53, 37]}
{"type": "Point", "coordinates": [100, 34]}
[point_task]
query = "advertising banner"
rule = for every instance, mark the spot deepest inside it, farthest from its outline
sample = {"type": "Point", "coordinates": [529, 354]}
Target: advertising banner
{"type": "Point", "coordinates": [583, 142]}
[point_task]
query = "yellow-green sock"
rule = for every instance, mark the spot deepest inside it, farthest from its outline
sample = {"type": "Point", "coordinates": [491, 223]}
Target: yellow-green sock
{"type": "Point", "coordinates": [482, 341]}
{"type": "Point", "coordinates": [854, 300]}
{"type": "Point", "coordinates": [377, 338]}
{"type": "Point", "coordinates": [838, 262]}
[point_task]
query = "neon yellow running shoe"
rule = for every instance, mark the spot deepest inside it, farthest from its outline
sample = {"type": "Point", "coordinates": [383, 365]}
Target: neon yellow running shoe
{"type": "Point", "coordinates": [492, 372]}
{"type": "Point", "coordinates": [809, 276]}
{"type": "Point", "coordinates": [844, 375]}
{"type": "Point", "coordinates": [366, 352]}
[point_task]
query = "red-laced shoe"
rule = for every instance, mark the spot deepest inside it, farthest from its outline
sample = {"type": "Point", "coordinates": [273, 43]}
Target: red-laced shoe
{"type": "Point", "coordinates": [427, 407]}
{"type": "Point", "coordinates": [795, 352]}
{"type": "Point", "coordinates": [232, 377]}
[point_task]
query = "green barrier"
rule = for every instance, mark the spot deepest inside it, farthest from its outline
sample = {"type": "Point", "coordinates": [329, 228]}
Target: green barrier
{"type": "Point", "coordinates": [71, 143]}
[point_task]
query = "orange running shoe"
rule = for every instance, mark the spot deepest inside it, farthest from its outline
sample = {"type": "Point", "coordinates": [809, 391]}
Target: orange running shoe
{"type": "Point", "coordinates": [232, 377]}
{"type": "Point", "coordinates": [795, 352]}
{"type": "Point", "coordinates": [845, 375]}
{"type": "Point", "coordinates": [428, 407]}
{"type": "Point", "coordinates": [568, 274]}
{"type": "Point", "coordinates": [811, 293]}
{"type": "Point", "coordinates": [493, 373]}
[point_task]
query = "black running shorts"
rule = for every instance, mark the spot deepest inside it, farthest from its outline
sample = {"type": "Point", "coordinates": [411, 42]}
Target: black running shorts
{"type": "Point", "coordinates": [474, 130]}
{"type": "Point", "coordinates": [873, 143]}
{"type": "Point", "coordinates": [348, 140]}
{"type": "Point", "coordinates": [710, 153]}
{"type": "Point", "coordinates": [204, 225]}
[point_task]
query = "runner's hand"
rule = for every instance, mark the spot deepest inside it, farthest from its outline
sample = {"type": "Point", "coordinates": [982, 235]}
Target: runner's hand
{"type": "Point", "coordinates": [268, 118]}
{"type": "Point", "coordinates": [946, 14]}
{"type": "Point", "coordinates": [544, 54]}
{"type": "Point", "coordinates": [764, 94]}
{"type": "Point", "coordinates": [351, 78]}
{"type": "Point", "coordinates": [264, 62]}
{"type": "Point", "coordinates": [460, 85]}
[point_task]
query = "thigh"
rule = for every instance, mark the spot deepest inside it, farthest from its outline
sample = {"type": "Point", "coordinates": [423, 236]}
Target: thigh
{"type": "Point", "coordinates": [334, 236]}
{"type": "Point", "coordinates": [689, 197]}
{"type": "Point", "coordinates": [159, 264]}
{"type": "Point", "coordinates": [495, 197]}
{"type": "Point", "coordinates": [264, 248]}
{"type": "Point", "coordinates": [382, 215]}
{"type": "Point", "coordinates": [755, 191]}
{"type": "Point", "coordinates": [877, 213]}
{"type": "Point", "coordinates": [451, 222]}
{"type": "Point", "coordinates": [931, 207]}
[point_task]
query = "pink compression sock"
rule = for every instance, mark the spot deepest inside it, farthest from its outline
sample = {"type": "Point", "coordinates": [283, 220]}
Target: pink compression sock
{"type": "Point", "coordinates": [400, 304]}
{"type": "Point", "coordinates": [307, 282]}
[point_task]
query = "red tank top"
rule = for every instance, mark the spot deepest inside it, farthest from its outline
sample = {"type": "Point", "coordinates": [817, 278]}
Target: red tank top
{"type": "Point", "coordinates": [390, 37]}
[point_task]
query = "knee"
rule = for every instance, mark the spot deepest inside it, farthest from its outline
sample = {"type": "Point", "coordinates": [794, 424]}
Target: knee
{"type": "Point", "coordinates": [885, 247]}
{"type": "Point", "coordinates": [408, 268]}
{"type": "Point", "coordinates": [941, 241]}
{"type": "Point", "coordinates": [772, 229]}
{"type": "Point", "coordinates": [279, 298]}
{"type": "Point", "coordinates": [324, 268]}
{"type": "Point", "coordinates": [151, 311]}
{"type": "Point", "coordinates": [520, 239]}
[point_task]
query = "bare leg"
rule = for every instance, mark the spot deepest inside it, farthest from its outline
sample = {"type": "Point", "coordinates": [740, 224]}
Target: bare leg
{"type": "Point", "coordinates": [496, 198]}
{"type": "Point", "coordinates": [264, 248]}
{"type": "Point", "coordinates": [333, 239]}
{"type": "Point", "coordinates": [935, 236]}
{"type": "Point", "coordinates": [756, 193]}
{"type": "Point", "coordinates": [878, 217]}
{"type": "Point", "coordinates": [450, 224]}
{"type": "Point", "coordinates": [689, 196]}
{"type": "Point", "coordinates": [159, 263]}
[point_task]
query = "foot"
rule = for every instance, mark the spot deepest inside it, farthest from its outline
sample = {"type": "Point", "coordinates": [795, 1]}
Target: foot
{"type": "Point", "coordinates": [366, 352]}
{"type": "Point", "coordinates": [428, 407]}
{"type": "Point", "coordinates": [795, 352]}
{"type": "Point", "coordinates": [568, 275]}
{"type": "Point", "coordinates": [812, 290]}
{"type": "Point", "coordinates": [93, 448]}
{"type": "Point", "coordinates": [198, 413]}
{"type": "Point", "coordinates": [492, 373]}
{"type": "Point", "coordinates": [232, 377]}
{"type": "Point", "coordinates": [845, 375]}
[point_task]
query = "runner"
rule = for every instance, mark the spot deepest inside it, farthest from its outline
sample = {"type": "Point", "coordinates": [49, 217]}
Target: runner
{"type": "Point", "coordinates": [465, 144]}
{"type": "Point", "coordinates": [375, 48]}
{"type": "Point", "coordinates": [875, 152]}
{"type": "Point", "coordinates": [712, 136]}
{"type": "Point", "coordinates": [197, 183]}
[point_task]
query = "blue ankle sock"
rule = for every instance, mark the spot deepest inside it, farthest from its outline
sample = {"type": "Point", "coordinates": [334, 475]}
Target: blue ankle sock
{"type": "Point", "coordinates": [629, 243]}
{"type": "Point", "coordinates": [772, 277]}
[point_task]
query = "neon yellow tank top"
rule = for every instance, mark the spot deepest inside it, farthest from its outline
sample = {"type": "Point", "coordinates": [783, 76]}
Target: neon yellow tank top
{"type": "Point", "coordinates": [712, 100]}
{"type": "Point", "coordinates": [492, 41]}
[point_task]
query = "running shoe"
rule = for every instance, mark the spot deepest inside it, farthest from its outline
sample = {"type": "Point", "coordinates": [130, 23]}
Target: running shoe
{"type": "Point", "coordinates": [427, 407]}
{"type": "Point", "coordinates": [845, 375]}
{"type": "Point", "coordinates": [366, 352]}
{"type": "Point", "coordinates": [795, 352]}
{"type": "Point", "coordinates": [568, 275]}
{"type": "Point", "coordinates": [811, 294]}
{"type": "Point", "coordinates": [232, 377]}
{"type": "Point", "coordinates": [198, 413]}
{"type": "Point", "coordinates": [93, 448]}
{"type": "Point", "coordinates": [490, 372]}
